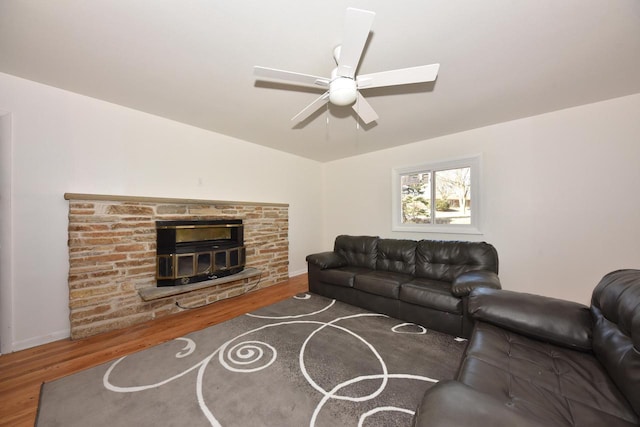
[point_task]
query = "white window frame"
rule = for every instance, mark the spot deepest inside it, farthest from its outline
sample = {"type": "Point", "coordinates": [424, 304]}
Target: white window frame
{"type": "Point", "coordinates": [473, 162]}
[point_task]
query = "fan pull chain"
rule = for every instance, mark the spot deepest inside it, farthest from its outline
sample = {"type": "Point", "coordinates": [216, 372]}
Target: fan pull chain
{"type": "Point", "coordinates": [326, 128]}
{"type": "Point", "coordinates": [358, 126]}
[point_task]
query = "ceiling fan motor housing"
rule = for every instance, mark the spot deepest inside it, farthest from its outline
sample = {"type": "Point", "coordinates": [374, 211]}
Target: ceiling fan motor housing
{"type": "Point", "coordinates": [343, 91]}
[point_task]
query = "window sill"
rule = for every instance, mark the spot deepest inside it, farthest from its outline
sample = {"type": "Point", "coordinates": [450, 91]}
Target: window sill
{"type": "Point", "coordinates": [462, 229]}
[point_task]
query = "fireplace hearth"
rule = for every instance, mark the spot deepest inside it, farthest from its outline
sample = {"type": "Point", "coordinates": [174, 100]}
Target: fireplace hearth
{"type": "Point", "coordinates": [198, 250]}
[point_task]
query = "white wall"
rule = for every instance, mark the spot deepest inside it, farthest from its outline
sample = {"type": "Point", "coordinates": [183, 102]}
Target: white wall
{"type": "Point", "coordinates": [559, 193]}
{"type": "Point", "coordinates": [6, 251]}
{"type": "Point", "coordinates": [64, 142]}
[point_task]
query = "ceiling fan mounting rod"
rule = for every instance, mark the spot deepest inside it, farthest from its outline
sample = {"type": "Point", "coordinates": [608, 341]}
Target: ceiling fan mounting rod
{"type": "Point", "coordinates": [336, 53]}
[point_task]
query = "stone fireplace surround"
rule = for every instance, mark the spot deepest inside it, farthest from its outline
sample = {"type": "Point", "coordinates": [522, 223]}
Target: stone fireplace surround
{"type": "Point", "coordinates": [112, 256]}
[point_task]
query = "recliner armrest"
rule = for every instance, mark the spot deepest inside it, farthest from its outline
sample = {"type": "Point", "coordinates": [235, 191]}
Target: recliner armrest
{"type": "Point", "coordinates": [556, 321]}
{"type": "Point", "coordinates": [466, 282]}
{"type": "Point", "coordinates": [326, 260]}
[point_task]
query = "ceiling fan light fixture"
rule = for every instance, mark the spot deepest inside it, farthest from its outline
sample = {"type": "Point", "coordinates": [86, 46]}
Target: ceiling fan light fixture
{"type": "Point", "coordinates": [343, 91]}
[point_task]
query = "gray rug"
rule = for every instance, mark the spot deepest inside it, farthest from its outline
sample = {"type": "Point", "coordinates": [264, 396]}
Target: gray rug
{"type": "Point", "coordinates": [306, 361]}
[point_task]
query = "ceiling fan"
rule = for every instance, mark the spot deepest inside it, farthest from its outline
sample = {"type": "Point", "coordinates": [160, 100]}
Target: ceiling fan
{"type": "Point", "coordinates": [343, 87]}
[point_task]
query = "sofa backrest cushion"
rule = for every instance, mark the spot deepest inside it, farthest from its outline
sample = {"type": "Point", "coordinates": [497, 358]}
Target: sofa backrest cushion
{"type": "Point", "coordinates": [445, 260]}
{"type": "Point", "coordinates": [358, 251]}
{"type": "Point", "coordinates": [615, 308]}
{"type": "Point", "coordinates": [396, 255]}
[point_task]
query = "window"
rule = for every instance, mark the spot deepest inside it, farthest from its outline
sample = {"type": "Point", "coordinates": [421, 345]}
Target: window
{"type": "Point", "coordinates": [438, 197]}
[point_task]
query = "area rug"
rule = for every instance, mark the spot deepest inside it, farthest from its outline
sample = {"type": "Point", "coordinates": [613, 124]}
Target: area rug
{"type": "Point", "coordinates": [305, 361]}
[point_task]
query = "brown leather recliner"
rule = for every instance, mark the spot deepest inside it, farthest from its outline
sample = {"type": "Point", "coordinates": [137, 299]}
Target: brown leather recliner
{"type": "Point", "coordinates": [538, 361]}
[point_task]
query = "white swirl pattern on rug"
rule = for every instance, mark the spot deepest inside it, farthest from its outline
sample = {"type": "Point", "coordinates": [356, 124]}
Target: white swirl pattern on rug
{"type": "Point", "coordinates": [234, 355]}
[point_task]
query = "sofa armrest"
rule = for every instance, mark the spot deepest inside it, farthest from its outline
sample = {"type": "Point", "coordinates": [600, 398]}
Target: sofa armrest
{"type": "Point", "coordinates": [454, 404]}
{"type": "Point", "coordinates": [466, 282]}
{"type": "Point", "coordinates": [326, 260]}
{"type": "Point", "coordinates": [552, 320]}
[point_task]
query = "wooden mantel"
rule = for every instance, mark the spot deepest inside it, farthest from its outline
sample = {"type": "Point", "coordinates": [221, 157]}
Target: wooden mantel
{"type": "Point", "coordinates": [145, 199]}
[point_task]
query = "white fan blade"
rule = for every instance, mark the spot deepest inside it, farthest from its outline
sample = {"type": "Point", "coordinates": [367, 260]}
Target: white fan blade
{"type": "Point", "coordinates": [291, 77]}
{"type": "Point", "coordinates": [403, 76]}
{"type": "Point", "coordinates": [309, 109]}
{"type": "Point", "coordinates": [357, 25]}
{"type": "Point", "coordinates": [364, 110]}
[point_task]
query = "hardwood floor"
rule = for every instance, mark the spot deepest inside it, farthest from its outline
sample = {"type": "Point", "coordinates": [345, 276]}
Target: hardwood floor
{"type": "Point", "coordinates": [22, 373]}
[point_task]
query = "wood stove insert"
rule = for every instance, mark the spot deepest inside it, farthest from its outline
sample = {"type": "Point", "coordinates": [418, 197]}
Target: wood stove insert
{"type": "Point", "coordinates": [194, 251]}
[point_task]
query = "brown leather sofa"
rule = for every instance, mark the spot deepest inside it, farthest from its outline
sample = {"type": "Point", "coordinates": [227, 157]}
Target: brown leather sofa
{"type": "Point", "coordinates": [424, 282]}
{"type": "Point", "coordinates": [534, 361]}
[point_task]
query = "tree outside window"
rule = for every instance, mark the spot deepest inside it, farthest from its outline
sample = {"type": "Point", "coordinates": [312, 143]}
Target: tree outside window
{"type": "Point", "coordinates": [416, 205]}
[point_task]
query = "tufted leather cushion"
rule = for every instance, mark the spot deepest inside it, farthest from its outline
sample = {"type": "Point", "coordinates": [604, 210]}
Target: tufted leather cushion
{"type": "Point", "coordinates": [359, 251]}
{"type": "Point", "coordinates": [453, 404]}
{"type": "Point", "coordinates": [398, 256]}
{"type": "Point", "coordinates": [615, 308]}
{"type": "Point", "coordinates": [446, 260]}
{"type": "Point", "coordinates": [537, 379]}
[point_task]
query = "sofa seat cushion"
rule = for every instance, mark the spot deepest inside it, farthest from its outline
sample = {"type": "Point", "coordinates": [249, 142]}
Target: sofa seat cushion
{"type": "Point", "coordinates": [432, 294]}
{"type": "Point", "coordinates": [564, 386]}
{"type": "Point", "coordinates": [383, 283]}
{"type": "Point", "coordinates": [343, 276]}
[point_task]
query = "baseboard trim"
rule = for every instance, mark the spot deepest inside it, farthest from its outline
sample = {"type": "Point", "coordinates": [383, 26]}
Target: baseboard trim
{"type": "Point", "coordinates": [44, 339]}
{"type": "Point", "coordinates": [297, 273]}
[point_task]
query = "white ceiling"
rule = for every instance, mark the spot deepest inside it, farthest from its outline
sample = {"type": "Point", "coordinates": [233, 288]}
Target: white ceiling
{"type": "Point", "coordinates": [192, 61]}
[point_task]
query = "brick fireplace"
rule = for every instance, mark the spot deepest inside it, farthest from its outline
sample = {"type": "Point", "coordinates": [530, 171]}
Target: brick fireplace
{"type": "Point", "coordinates": [112, 257]}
